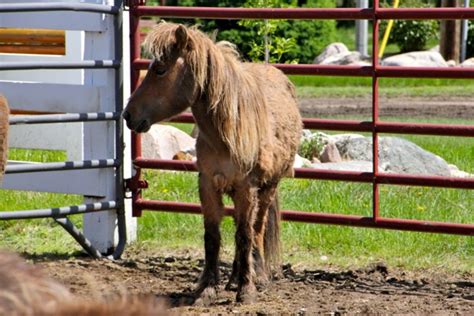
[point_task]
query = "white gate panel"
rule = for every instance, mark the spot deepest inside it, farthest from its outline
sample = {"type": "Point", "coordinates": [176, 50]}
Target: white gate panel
{"type": "Point", "coordinates": [82, 182]}
{"type": "Point", "coordinates": [57, 98]}
{"type": "Point", "coordinates": [67, 137]}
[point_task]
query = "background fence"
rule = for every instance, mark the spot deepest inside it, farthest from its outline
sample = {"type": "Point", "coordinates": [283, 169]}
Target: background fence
{"type": "Point", "coordinates": [375, 126]}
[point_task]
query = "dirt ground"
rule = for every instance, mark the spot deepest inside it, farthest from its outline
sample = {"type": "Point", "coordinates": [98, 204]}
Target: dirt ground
{"type": "Point", "coordinates": [376, 289]}
{"type": "Point", "coordinates": [406, 107]}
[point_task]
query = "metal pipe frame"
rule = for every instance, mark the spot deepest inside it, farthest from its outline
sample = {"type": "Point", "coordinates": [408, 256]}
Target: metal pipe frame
{"type": "Point", "coordinates": [60, 211]}
{"type": "Point", "coordinates": [361, 71]}
{"type": "Point", "coordinates": [322, 174]}
{"type": "Point", "coordinates": [379, 127]}
{"type": "Point", "coordinates": [38, 7]}
{"type": "Point", "coordinates": [326, 218]}
{"type": "Point", "coordinates": [61, 166]}
{"type": "Point", "coordinates": [375, 126]}
{"type": "Point", "coordinates": [304, 13]}
{"type": "Point", "coordinates": [119, 145]}
{"type": "Point", "coordinates": [78, 236]}
{"type": "Point", "coordinates": [64, 118]}
{"type": "Point", "coordinates": [86, 64]}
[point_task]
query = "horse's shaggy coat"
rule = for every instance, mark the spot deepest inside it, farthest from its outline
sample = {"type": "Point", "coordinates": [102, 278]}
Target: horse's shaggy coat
{"type": "Point", "coordinates": [249, 130]}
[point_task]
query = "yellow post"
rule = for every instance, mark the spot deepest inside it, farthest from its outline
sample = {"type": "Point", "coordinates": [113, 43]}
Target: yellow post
{"type": "Point", "coordinates": [387, 32]}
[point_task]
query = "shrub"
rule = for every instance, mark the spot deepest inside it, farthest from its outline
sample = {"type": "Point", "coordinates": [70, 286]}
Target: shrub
{"type": "Point", "coordinates": [298, 40]}
{"type": "Point", "coordinates": [412, 35]}
{"type": "Point", "coordinates": [470, 40]}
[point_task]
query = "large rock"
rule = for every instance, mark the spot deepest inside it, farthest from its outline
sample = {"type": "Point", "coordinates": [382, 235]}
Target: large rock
{"type": "Point", "coordinates": [338, 54]}
{"type": "Point", "coordinates": [331, 50]}
{"type": "Point", "coordinates": [416, 59]}
{"type": "Point", "coordinates": [468, 62]}
{"type": "Point", "coordinates": [165, 141]}
{"type": "Point", "coordinates": [357, 166]}
{"type": "Point", "coordinates": [330, 153]}
{"type": "Point", "coordinates": [301, 162]}
{"type": "Point", "coordinates": [396, 155]}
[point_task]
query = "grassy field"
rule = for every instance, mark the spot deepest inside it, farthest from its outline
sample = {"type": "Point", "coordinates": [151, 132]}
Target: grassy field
{"type": "Point", "coordinates": [324, 86]}
{"type": "Point", "coordinates": [304, 244]}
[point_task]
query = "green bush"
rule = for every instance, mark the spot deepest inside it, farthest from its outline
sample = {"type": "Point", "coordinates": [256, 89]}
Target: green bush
{"type": "Point", "coordinates": [411, 35]}
{"type": "Point", "coordinates": [300, 40]}
{"type": "Point", "coordinates": [470, 40]}
{"type": "Point", "coordinates": [310, 37]}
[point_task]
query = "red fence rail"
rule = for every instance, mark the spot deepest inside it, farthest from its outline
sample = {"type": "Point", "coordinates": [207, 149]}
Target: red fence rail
{"type": "Point", "coordinates": [375, 126]}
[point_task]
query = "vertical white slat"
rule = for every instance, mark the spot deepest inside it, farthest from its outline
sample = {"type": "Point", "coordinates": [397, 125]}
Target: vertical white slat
{"type": "Point", "coordinates": [100, 228]}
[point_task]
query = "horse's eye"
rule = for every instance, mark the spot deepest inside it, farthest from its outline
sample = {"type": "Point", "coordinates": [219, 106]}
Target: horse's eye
{"type": "Point", "coordinates": [160, 71]}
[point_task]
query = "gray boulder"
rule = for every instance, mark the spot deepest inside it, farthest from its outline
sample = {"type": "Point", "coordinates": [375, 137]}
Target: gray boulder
{"type": "Point", "coordinates": [396, 155]}
{"type": "Point", "coordinates": [164, 142]}
{"type": "Point", "coordinates": [416, 59]}
{"type": "Point", "coordinates": [358, 166]}
{"type": "Point", "coordinates": [468, 62]}
{"type": "Point", "coordinates": [331, 50]}
{"type": "Point", "coordinates": [330, 153]}
{"type": "Point", "coordinates": [338, 54]}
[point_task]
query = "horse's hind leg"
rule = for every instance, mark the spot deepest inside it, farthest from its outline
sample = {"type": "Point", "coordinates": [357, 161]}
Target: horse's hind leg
{"type": "Point", "coordinates": [263, 234]}
{"type": "Point", "coordinates": [246, 203]}
{"type": "Point", "coordinates": [262, 237]}
{"type": "Point", "coordinates": [212, 209]}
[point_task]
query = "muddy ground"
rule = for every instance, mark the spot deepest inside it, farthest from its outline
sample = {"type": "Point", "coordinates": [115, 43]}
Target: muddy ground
{"type": "Point", "coordinates": [376, 289]}
{"type": "Point", "coordinates": [405, 107]}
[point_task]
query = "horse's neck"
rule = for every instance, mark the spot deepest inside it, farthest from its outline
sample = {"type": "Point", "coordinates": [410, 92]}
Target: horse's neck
{"type": "Point", "coordinates": [208, 132]}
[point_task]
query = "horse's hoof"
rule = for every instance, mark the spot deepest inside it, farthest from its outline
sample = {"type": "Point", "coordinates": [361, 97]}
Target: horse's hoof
{"type": "Point", "coordinates": [206, 297]}
{"type": "Point", "coordinates": [247, 294]}
{"type": "Point", "coordinates": [262, 281]}
{"type": "Point", "coordinates": [231, 285]}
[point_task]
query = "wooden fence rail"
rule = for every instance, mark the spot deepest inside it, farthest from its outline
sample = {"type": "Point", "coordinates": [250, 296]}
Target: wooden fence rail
{"type": "Point", "coordinates": [32, 41]}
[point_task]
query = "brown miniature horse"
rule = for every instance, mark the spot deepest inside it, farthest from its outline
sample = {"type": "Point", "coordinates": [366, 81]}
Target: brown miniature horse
{"type": "Point", "coordinates": [249, 130]}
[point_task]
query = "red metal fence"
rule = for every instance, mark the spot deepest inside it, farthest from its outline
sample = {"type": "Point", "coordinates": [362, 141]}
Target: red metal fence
{"type": "Point", "coordinates": [375, 126]}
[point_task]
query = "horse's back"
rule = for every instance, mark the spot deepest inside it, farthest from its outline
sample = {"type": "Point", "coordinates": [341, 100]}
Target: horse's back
{"type": "Point", "coordinates": [284, 118]}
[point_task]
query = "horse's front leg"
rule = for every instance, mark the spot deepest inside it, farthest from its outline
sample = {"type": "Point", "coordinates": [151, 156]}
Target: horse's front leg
{"type": "Point", "coordinates": [212, 209]}
{"type": "Point", "coordinates": [246, 204]}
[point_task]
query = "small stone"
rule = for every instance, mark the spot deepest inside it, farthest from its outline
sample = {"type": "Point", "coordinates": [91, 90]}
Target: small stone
{"type": "Point", "coordinates": [330, 153]}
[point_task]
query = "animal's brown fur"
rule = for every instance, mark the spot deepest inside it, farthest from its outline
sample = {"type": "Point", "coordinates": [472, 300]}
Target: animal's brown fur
{"type": "Point", "coordinates": [232, 93]}
{"type": "Point", "coordinates": [4, 114]}
{"type": "Point", "coordinates": [25, 290]}
{"type": "Point", "coordinates": [249, 131]}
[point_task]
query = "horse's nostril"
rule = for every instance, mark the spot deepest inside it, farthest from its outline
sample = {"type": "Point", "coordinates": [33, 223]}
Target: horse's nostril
{"type": "Point", "coordinates": [126, 115]}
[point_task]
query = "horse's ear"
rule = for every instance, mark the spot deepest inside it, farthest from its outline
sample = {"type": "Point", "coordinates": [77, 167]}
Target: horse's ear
{"type": "Point", "coordinates": [181, 37]}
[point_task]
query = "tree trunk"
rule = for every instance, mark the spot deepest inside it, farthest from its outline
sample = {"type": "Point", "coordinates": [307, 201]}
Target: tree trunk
{"type": "Point", "coordinates": [450, 38]}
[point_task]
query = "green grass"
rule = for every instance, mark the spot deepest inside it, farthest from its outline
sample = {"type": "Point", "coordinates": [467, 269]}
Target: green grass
{"type": "Point", "coordinates": [325, 86]}
{"type": "Point", "coordinates": [39, 235]}
{"type": "Point", "coordinates": [343, 246]}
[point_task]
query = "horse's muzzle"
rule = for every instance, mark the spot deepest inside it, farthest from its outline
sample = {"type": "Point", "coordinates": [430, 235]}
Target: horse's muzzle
{"type": "Point", "coordinates": [138, 127]}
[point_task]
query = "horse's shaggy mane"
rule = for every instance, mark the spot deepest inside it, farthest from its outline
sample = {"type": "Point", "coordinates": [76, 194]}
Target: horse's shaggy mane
{"type": "Point", "coordinates": [235, 99]}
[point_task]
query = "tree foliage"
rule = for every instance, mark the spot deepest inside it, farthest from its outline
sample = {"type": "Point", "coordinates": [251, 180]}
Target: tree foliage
{"type": "Point", "coordinates": [295, 40]}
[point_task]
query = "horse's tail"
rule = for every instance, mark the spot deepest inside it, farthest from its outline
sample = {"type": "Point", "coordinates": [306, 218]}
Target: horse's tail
{"type": "Point", "coordinates": [271, 241]}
